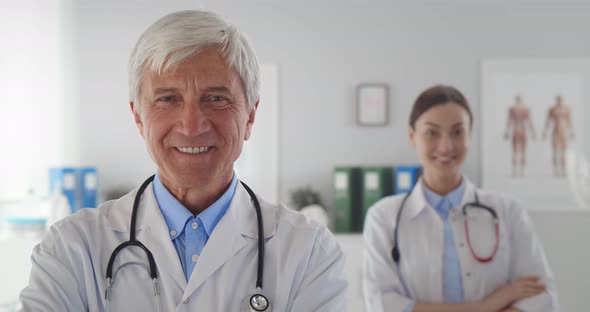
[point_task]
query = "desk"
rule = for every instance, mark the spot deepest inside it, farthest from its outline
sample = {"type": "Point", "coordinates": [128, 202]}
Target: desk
{"type": "Point", "coordinates": [352, 246]}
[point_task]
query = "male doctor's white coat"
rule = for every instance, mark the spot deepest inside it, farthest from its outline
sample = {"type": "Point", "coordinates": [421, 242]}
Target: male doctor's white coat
{"type": "Point", "coordinates": [418, 277]}
{"type": "Point", "coordinates": [303, 264]}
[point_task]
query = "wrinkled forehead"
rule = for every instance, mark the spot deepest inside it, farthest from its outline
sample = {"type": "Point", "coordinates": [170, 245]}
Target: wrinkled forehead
{"type": "Point", "coordinates": [204, 70]}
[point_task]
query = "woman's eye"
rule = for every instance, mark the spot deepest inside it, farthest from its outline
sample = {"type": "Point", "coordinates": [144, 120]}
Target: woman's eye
{"type": "Point", "coordinates": [430, 133]}
{"type": "Point", "coordinates": [458, 132]}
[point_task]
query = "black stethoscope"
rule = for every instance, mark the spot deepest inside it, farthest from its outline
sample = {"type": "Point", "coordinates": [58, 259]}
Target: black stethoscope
{"type": "Point", "coordinates": [395, 253]}
{"type": "Point", "coordinates": [252, 303]}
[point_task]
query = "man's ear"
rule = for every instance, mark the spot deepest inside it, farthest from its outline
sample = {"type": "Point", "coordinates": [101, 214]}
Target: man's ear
{"type": "Point", "coordinates": [251, 118]}
{"type": "Point", "coordinates": [137, 116]}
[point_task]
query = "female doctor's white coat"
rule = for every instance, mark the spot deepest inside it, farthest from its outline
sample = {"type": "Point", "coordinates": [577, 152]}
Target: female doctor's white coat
{"type": "Point", "coordinates": [418, 278]}
{"type": "Point", "coordinates": [303, 268]}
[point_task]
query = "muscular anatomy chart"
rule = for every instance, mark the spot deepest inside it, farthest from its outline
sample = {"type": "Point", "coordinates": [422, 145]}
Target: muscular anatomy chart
{"type": "Point", "coordinates": [518, 128]}
{"type": "Point", "coordinates": [559, 123]}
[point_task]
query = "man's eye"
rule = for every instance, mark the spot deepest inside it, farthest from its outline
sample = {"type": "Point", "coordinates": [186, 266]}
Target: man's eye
{"type": "Point", "coordinates": [217, 101]}
{"type": "Point", "coordinates": [166, 99]}
{"type": "Point", "coordinates": [216, 98]}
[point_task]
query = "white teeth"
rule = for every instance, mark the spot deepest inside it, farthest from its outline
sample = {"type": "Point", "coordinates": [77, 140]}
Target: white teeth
{"type": "Point", "coordinates": [444, 159]}
{"type": "Point", "coordinates": [193, 150]}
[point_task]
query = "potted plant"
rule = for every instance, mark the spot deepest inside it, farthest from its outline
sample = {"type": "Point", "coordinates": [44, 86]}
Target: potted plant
{"type": "Point", "coordinates": [308, 202]}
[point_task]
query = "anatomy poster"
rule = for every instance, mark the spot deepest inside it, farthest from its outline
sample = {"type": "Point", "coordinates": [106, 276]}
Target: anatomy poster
{"type": "Point", "coordinates": [532, 113]}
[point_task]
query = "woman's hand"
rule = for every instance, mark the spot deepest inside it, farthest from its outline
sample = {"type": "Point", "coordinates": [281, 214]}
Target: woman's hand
{"type": "Point", "coordinates": [522, 287]}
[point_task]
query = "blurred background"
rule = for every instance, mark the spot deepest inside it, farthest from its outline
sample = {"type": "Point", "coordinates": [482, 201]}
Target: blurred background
{"type": "Point", "coordinates": [65, 123]}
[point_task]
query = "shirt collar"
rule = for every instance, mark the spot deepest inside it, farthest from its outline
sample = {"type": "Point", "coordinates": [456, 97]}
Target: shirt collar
{"type": "Point", "coordinates": [176, 214]}
{"type": "Point", "coordinates": [211, 216]}
{"type": "Point", "coordinates": [454, 197]}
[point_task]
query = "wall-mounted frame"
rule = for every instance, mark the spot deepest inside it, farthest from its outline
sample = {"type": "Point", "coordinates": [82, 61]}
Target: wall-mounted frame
{"type": "Point", "coordinates": [522, 145]}
{"type": "Point", "coordinates": [372, 104]}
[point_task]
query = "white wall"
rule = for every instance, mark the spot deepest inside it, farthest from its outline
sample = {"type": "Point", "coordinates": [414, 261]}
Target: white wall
{"type": "Point", "coordinates": [324, 49]}
{"type": "Point", "coordinates": [30, 106]}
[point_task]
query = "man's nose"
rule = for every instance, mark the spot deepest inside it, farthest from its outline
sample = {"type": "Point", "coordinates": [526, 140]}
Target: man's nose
{"type": "Point", "coordinates": [193, 120]}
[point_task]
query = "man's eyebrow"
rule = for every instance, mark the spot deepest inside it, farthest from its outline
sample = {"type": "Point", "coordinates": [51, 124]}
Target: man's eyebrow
{"type": "Point", "coordinates": [218, 89]}
{"type": "Point", "coordinates": [158, 91]}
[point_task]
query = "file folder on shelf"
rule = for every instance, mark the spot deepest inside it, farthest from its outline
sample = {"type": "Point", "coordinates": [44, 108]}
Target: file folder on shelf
{"type": "Point", "coordinates": [88, 187]}
{"type": "Point", "coordinates": [78, 184]}
{"type": "Point", "coordinates": [347, 199]}
{"type": "Point", "coordinates": [65, 178]}
{"type": "Point", "coordinates": [406, 177]}
{"type": "Point", "coordinates": [377, 183]}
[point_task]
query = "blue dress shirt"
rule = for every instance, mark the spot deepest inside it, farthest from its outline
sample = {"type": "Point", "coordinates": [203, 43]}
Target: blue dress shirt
{"type": "Point", "coordinates": [451, 274]}
{"type": "Point", "coordinates": [189, 234]}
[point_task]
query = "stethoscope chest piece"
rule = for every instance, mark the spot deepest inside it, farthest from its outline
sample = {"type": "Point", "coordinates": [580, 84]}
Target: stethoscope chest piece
{"type": "Point", "coordinates": [257, 303]}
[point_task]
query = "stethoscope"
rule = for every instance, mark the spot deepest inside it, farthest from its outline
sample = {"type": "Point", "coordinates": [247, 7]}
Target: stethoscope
{"type": "Point", "coordinates": [395, 253]}
{"type": "Point", "coordinates": [252, 303]}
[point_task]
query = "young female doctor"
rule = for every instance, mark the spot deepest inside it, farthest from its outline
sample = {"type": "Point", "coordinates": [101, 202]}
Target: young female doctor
{"type": "Point", "coordinates": [446, 245]}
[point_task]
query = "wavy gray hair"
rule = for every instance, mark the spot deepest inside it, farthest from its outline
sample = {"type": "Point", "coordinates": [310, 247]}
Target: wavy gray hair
{"type": "Point", "coordinates": [179, 36]}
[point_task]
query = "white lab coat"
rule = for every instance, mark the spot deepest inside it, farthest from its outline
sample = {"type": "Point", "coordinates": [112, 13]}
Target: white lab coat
{"type": "Point", "coordinates": [303, 268]}
{"type": "Point", "coordinates": [421, 240]}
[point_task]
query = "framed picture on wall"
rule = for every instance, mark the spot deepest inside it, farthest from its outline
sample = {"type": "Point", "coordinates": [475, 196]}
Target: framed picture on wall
{"type": "Point", "coordinates": [372, 104]}
{"type": "Point", "coordinates": [532, 115]}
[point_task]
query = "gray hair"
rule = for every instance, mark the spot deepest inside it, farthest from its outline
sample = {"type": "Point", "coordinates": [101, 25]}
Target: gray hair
{"type": "Point", "coordinates": [179, 36]}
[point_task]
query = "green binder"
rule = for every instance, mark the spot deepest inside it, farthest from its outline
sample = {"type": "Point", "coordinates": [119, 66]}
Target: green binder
{"type": "Point", "coordinates": [377, 183]}
{"type": "Point", "coordinates": [347, 199]}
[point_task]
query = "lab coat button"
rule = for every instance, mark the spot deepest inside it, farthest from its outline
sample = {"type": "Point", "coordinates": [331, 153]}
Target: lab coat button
{"type": "Point", "coordinates": [461, 245]}
{"type": "Point", "coordinates": [186, 301]}
{"type": "Point", "coordinates": [468, 274]}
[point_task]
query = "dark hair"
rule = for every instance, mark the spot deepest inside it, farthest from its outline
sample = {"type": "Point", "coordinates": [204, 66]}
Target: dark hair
{"type": "Point", "coordinates": [438, 95]}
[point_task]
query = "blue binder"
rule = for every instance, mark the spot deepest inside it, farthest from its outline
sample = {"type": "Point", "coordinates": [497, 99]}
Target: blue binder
{"type": "Point", "coordinates": [406, 177]}
{"type": "Point", "coordinates": [78, 184]}
{"type": "Point", "coordinates": [65, 178]}
{"type": "Point", "coordinates": [88, 187]}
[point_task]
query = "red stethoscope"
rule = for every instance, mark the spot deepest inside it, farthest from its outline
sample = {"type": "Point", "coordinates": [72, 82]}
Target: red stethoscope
{"type": "Point", "coordinates": [395, 253]}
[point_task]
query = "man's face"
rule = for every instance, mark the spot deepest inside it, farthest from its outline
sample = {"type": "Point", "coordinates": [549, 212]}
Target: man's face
{"type": "Point", "coordinates": [194, 121]}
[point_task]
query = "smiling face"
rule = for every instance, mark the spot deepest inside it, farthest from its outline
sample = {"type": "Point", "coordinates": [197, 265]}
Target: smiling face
{"type": "Point", "coordinates": [194, 121]}
{"type": "Point", "coordinates": [441, 137]}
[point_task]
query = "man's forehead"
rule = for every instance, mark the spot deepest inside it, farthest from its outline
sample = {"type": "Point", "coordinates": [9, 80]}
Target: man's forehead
{"type": "Point", "coordinates": [185, 78]}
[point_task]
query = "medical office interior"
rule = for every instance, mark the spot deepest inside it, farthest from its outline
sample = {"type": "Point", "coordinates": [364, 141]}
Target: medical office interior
{"type": "Point", "coordinates": [338, 82]}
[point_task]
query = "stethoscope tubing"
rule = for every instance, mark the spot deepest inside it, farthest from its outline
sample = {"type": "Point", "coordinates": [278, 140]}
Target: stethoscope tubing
{"type": "Point", "coordinates": [152, 263]}
{"type": "Point", "coordinates": [395, 252]}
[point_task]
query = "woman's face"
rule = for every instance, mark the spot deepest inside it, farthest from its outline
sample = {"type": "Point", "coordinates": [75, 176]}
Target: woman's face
{"type": "Point", "coordinates": [441, 137]}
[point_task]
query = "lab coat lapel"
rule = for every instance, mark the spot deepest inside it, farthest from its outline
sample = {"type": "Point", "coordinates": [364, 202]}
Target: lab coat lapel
{"type": "Point", "coordinates": [469, 193]}
{"type": "Point", "coordinates": [225, 242]}
{"type": "Point", "coordinates": [415, 203]}
{"type": "Point", "coordinates": [228, 237]}
{"type": "Point", "coordinates": [157, 239]}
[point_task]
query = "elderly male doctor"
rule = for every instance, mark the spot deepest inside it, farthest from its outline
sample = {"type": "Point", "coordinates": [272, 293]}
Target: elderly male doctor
{"type": "Point", "coordinates": [194, 84]}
